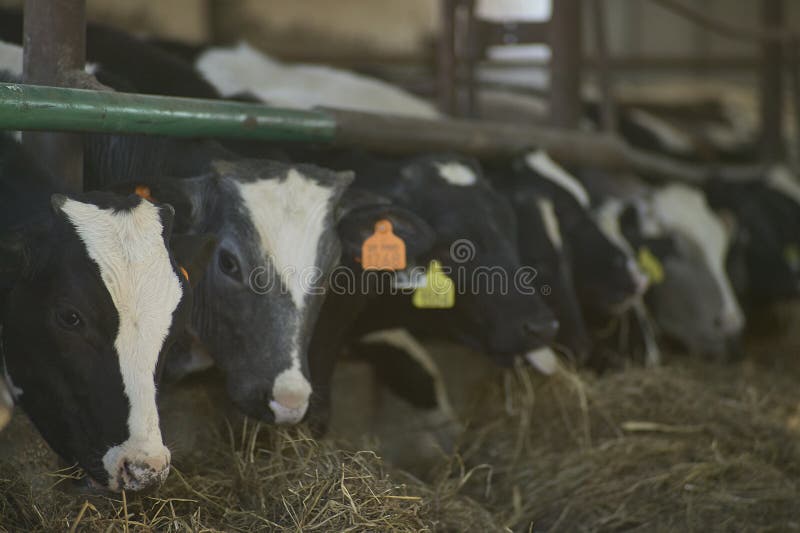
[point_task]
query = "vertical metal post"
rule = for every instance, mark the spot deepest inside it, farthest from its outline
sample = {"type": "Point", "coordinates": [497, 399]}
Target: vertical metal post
{"type": "Point", "coordinates": [565, 64]}
{"type": "Point", "coordinates": [771, 95]}
{"type": "Point", "coordinates": [54, 40]}
{"type": "Point", "coordinates": [447, 56]}
{"type": "Point", "coordinates": [603, 75]}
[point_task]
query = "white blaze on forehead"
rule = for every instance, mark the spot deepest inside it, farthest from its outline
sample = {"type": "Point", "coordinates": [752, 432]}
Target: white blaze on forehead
{"type": "Point", "coordinates": [781, 179]}
{"type": "Point", "coordinates": [129, 249]}
{"type": "Point", "coordinates": [290, 217]}
{"type": "Point", "coordinates": [551, 226]}
{"type": "Point", "coordinates": [668, 135]}
{"type": "Point", "coordinates": [541, 162]}
{"type": "Point", "coordinates": [457, 174]}
{"type": "Point", "coordinates": [684, 210]}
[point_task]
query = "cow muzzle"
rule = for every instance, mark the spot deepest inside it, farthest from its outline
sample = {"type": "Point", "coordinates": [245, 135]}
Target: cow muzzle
{"type": "Point", "coordinates": [290, 396]}
{"type": "Point", "coordinates": [136, 471]}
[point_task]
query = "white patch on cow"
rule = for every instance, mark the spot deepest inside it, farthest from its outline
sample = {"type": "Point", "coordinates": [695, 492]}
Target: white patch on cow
{"type": "Point", "coordinates": [290, 217]}
{"type": "Point", "coordinates": [402, 340]}
{"type": "Point", "coordinates": [783, 180]}
{"type": "Point", "coordinates": [684, 209]}
{"type": "Point", "coordinates": [244, 69]}
{"type": "Point", "coordinates": [551, 225]}
{"type": "Point", "coordinates": [541, 162]}
{"type": "Point", "coordinates": [128, 247]}
{"type": "Point", "coordinates": [668, 135]}
{"type": "Point", "coordinates": [457, 174]}
{"type": "Point", "coordinates": [544, 360]}
{"type": "Point", "coordinates": [291, 393]}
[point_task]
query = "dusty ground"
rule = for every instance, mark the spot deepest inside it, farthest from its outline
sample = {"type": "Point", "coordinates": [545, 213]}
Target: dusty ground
{"type": "Point", "coordinates": [692, 446]}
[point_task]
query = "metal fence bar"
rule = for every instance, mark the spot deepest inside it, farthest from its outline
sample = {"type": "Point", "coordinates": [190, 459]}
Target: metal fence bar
{"type": "Point", "coordinates": [30, 107]}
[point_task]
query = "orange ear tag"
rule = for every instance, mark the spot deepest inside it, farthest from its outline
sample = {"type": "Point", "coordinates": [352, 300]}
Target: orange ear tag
{"type": "Point", "coordinates": [383, 250]}
{"type": "Point", "coordinates": [183, 271]}
{"type": "Point", "coordinates": [144, 192]}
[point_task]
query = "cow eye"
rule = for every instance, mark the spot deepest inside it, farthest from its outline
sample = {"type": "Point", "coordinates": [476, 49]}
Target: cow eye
{"type": "Point", "coordinates": [229, 264]}
{"type": "Point", "coordinates": [68, 318]}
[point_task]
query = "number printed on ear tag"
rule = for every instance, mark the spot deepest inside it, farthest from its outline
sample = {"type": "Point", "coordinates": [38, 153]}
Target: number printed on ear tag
{"type": "Point", "coordinates": [383, 250]}
{"type": "Point", "coordinates": [439, 291]}
{"type": "Point", "coordinates": [651, 266]}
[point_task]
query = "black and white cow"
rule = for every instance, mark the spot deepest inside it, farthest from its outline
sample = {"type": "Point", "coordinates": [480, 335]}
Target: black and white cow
{"type": "Point", "coordinates": [91, 299]}
{"type": "Point", "coordinates": [767, 246]}
{"type": "Point", "coordinates": [695, 302]}
{"type": "Point", "coordinates": [589, 273]}
{"type": "Point", "coordinates": [496, 310]}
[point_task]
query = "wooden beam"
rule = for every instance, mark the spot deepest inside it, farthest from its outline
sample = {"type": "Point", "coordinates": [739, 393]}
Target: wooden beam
{"type": "Point", "coordinates": [565, 64]}
{"type": "Point", "coordinates": [771, 90]}
{"type": "Point", "coordinates": [54, 38]}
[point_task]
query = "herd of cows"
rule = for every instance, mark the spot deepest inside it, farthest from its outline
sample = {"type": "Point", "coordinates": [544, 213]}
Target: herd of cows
{"type": "Point", "coordinates": [187, 254]}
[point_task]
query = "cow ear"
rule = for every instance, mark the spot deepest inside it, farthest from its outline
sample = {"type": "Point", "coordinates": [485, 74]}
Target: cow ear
{"type": "Point", "coordinates": [359, 224]}
{"type": "Point", "coordinates": [186, 195]}
{"type": "Point", "coordinates": [192, 253]}
{"type": "Point", "coordinates": [356, 198]}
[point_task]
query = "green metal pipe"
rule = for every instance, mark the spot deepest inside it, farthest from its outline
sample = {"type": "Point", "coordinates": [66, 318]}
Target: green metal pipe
{"type": "Point", "coordinates": [30, 107]}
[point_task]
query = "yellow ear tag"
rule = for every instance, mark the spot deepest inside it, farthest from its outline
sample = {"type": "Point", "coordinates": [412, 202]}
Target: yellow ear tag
{"type": "Point", "coordinates": [791, 254]}
{"type": "Point", "coordinates": [184, 272]}
{"type": "Point", "coordinates": [383, 250]}
{"type": "Point", "coordinates": [438, 292]}
{"type": "Point", "coordinates": [651, 266]}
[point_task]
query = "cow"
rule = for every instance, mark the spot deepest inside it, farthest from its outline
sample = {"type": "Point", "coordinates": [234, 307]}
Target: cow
{"type": "Point", "coordinates": [765, 262]}
{"type": "Point", "coordinates": [91, 300]}
{"type": "Point", "coordinates": [694, 303]}
{"type": "Point", "coordinates": [587, 271]}
{"type": "Point", "coordinates": [497, 309]}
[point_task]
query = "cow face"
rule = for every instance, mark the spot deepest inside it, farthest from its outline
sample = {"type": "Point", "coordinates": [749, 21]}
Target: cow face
{"type": "Point", "coordinates": [95, 300]}
{"type": "Point", "coordinates": [262, 291]}
{"type": "Point", "coordinates": [496, 309]}
{"type": "Point", "coordinates": [541, 245]}
{"type": "Point", "coordinates": [607, 276]}
{"type": "Point", "coordinates": [695, 302]}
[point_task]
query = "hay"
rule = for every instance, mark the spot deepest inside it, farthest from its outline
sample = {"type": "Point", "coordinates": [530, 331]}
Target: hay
{"type": "Point", "coordinates": [690, 447]}
{"type": "Point", "coordinates": [693, 447]}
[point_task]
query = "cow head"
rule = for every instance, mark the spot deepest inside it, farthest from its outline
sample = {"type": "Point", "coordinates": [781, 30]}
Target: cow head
{"type": "Point", "coordinates": [262, 291]}
{"type": "Point", "coordinates": [607, 276]}
{"type": "Point", "coordinates": [498, 308]}
{"type": "Point", "coordinates": [695, 302]}
{"type": "Point", "coordinates": [94, 299]}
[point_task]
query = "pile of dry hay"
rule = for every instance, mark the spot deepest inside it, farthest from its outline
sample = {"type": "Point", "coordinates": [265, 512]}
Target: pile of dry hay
{"type": "Point", "coordinates": [691, 446]}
